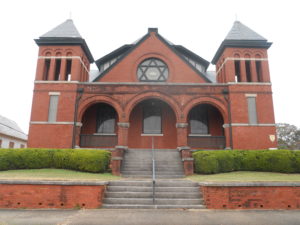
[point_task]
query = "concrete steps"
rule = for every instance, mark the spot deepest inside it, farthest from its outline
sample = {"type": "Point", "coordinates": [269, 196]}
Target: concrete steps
{"type": "Point", "coordinates": [137, 163]}
{"type": "Point", "coordinates": [169, 194]}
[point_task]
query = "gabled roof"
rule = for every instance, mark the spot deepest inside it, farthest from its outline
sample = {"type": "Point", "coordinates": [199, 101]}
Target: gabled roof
{"type": "Point", "coordinates": [65, 34]}
{"type": "Point", "coordinates": [10, 128]}
{"type": "Point", "coordinates": [66, 29]}
{"type": "Point", "coordinates": [241, 36]}
{"type": "Point", "coordinates": [179, 50]}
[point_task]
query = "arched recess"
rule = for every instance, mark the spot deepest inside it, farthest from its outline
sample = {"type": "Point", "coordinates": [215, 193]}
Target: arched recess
{"type": "Point", "coordinates": [205, 127]}
{"type": "Point", "coordinates": [91, 100]}
{"type": "Point", "coordinates": [152, 123]}
{"type": "Point", "coordinates": [152, 95]}
{"type": "Point", "coordinates": [99, 116]}
{"type": "Point", "coordinates": [216, 102]}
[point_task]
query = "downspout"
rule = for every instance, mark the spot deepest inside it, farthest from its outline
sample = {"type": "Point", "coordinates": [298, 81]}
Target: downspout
{"type": "Point", "coordinates": [79, 93]}
{"type": "Point", "coordinates": [226, 96]}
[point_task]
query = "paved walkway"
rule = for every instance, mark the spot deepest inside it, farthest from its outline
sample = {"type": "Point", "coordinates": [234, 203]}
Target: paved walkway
{"type": "Point", "coordinates": [147, 217]}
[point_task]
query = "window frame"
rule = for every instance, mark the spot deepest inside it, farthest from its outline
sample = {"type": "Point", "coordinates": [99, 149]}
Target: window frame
{"type": "Point", "coordinates": [205, 111]}
{"type": "Point", "coordinates": [161, 68]}
{"type": "Point", "coordinates": [98, 121]}
{"type": "Point", "coordinates": [146, 110]}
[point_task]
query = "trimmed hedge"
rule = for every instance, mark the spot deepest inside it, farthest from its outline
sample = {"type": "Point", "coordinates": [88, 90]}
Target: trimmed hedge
{"type": "Point", "coordinates": [85, 160]}
{"type": "Point", "coordinates": [283, 161]}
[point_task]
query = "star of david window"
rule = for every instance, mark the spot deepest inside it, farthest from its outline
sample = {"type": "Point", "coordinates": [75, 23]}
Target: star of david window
{"type": "Point", "coordinates": [153, 69]}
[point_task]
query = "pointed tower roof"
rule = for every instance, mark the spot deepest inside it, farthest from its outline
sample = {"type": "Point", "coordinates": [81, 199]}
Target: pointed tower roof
{"type": "Point", "coordinates": [241, 36]}
{"type": "Point", "coordinates": [240, 31]}
{"type": "Point", "coordinates": [66, 29]}
{"type": "Point", "coordinates": [65, 34]}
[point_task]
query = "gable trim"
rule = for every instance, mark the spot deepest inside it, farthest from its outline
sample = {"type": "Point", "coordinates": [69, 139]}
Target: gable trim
{"type": "Point", "coordinates": [120, 59]}
{"type": "Point", "coordinates": [183, 59]}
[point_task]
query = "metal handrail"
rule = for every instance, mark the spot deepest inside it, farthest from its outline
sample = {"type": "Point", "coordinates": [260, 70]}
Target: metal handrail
{"type": "Point", "coordinates": [153, 172]}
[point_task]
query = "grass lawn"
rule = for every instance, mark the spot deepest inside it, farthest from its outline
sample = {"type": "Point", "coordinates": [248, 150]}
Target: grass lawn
{"type": "Point", "coordinates": [55, 174]}
{"type": "Point", "coordinates": [246, 176]}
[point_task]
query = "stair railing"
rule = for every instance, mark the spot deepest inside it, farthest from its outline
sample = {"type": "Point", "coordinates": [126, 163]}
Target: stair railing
{"type": "Point", "coordinates": [153, 172]}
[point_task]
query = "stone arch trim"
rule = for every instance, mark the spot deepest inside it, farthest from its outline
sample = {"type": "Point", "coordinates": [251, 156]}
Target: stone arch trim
{"type": "Point", "coordinates": [219, 104]}
{"type": "Point", "coordinates": [95, 99]}
{"type": "Point", "coordinates": [152, 95]}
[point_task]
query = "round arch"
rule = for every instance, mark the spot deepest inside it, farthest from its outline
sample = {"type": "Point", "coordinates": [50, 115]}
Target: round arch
{"type": "Point", "coordinates": [206, 100]}
{"type": "Point", "coordinates": [152, 95]}
{"type": "Point", "coordinates": [92, 100]}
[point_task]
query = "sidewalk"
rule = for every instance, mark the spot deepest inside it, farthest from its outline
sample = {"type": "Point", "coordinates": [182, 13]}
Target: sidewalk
{"type": "Point", "coordinates": [147, 217]}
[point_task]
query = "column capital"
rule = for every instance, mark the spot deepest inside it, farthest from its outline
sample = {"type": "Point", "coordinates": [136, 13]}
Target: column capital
{"type": "Point", "coordinates": [124, 124]}
{"type": "Point", "coordinates": [181, 125]}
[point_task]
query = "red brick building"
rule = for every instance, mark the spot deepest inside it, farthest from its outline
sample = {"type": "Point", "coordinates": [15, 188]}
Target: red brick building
{"type": "Point", "coordinates": [152, 88]}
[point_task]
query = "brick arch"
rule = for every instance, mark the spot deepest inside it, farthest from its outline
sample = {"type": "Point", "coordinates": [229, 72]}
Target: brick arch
{"type": "Point", "coordinates": [152, 95]}
{"type": "Point", "coordinates": [89, 101]}
{"type": "Point", "coordinates": [206, 100]}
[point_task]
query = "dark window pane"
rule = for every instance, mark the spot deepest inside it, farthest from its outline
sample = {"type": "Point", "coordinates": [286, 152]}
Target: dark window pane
{"type": "Point", "coordinates": [199, 120]}
{"type": "Point", "coordinates": [106, 119]}
{"type": "Point", "coordinates": [152, 120]}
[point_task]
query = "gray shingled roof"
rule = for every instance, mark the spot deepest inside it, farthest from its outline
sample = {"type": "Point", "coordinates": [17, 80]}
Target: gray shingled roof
{"type": "Point", "coordinates": [11, 128]}
{"type": "Point", "coordinates": [66, 29]}
{"type": "Point", "coordinates": [241, 32]}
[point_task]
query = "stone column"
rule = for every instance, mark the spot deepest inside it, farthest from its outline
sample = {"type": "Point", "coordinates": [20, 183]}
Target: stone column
{"type": "Point", "coordinates": [185, 151]}
{"type": "Point", "coordinates": [243, 71]}
{"type": "Point", "coordinates": [253, 71]}
{"type": "Point", "coordinates": [265, 71]}
{"type": "Point", "coordinates": [229, 71]}
{"type": "Point", "coordinates": [76, 69]}
{"type": "Point", "coordinates": [63, 69]}
{"type": "Point", "coordinates": [52, 69]}
{"type": "Point", "coordinates": [40, 69]}
{"type": "Point", "coordinates": [118, 152]}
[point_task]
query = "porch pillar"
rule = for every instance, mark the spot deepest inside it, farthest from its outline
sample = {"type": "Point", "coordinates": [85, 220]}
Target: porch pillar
{"type": "Point", "coordinates": [185, 151]}
{"type": "Point", "coordinates": [118, 152]}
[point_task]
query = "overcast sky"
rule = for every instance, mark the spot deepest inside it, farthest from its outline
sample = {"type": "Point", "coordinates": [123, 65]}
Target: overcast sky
{"type": "Point", "coordinates": [106, 25]}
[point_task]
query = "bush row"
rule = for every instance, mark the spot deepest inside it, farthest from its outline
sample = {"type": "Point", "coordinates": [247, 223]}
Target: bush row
{"type": "Point", "coordinates": [74, 159]}
{"type": "Point", "coordinates": [284, 161]}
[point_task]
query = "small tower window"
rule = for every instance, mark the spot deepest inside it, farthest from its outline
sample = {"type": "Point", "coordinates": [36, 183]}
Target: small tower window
{"type": "Point", "coordinates": [57, 69]}
{"type": "Point", "coordinates": [68, 70]}
{"type": "Point", "coordinates": [46, 69]}
{"type": "Point", "coordinates": [248, 70]}
{"type": "Point", "coordinates": [237, 71]}
{"type": "Point", "coordinates": [259, 71]}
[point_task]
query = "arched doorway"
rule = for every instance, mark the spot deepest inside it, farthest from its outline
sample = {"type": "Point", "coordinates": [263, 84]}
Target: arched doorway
{"type": "Point", "coordinates": [205, 128]}
{"type": "Point", "coordinates": [99, 129]}
{"type": "Point", "coordinates": [152, 119]}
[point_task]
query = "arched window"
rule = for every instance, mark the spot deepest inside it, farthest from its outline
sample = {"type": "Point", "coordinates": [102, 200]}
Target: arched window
{"type": "Point", "coordinates": [152, 69]}
{"type": "Point", "coordinates": [198, 120]}
{"type": "Point", "coordinates": [106, 119]}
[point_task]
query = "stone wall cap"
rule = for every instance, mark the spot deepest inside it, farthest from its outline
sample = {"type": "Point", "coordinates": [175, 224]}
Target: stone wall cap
{"type": "Point", "coordinates": [56, 182]}
{"type": "Point", "coordinates": [251, 184]}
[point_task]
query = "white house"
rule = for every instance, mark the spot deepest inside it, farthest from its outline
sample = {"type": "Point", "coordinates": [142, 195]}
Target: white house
{"type": "Point", "coordinates": [11, 135]}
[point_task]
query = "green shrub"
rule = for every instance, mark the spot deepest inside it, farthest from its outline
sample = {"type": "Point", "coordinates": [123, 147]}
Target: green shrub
{"type": "Point", "coordinates": [284, 161]}
{"type": "Point", "coordinates": [73, 159]}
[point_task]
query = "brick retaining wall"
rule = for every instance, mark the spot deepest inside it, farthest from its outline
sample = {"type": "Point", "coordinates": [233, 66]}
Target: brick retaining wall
{"type": "Point", "coordinates": [251, 195]}
{"type": "Point", "coordinates": [51, 194]}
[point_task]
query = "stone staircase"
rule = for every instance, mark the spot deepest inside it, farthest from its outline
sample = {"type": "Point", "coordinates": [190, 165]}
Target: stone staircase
{"type": "Point", "coordinates": [137, 163]}
{"type": "Point", "coordinates": [138, 194]}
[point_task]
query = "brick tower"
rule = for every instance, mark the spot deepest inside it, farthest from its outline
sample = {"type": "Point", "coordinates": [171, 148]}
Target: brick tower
{"type": "Point", "coordinates": [63, 62]}
{"type": "Point", "coordinates": [242, 62]}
